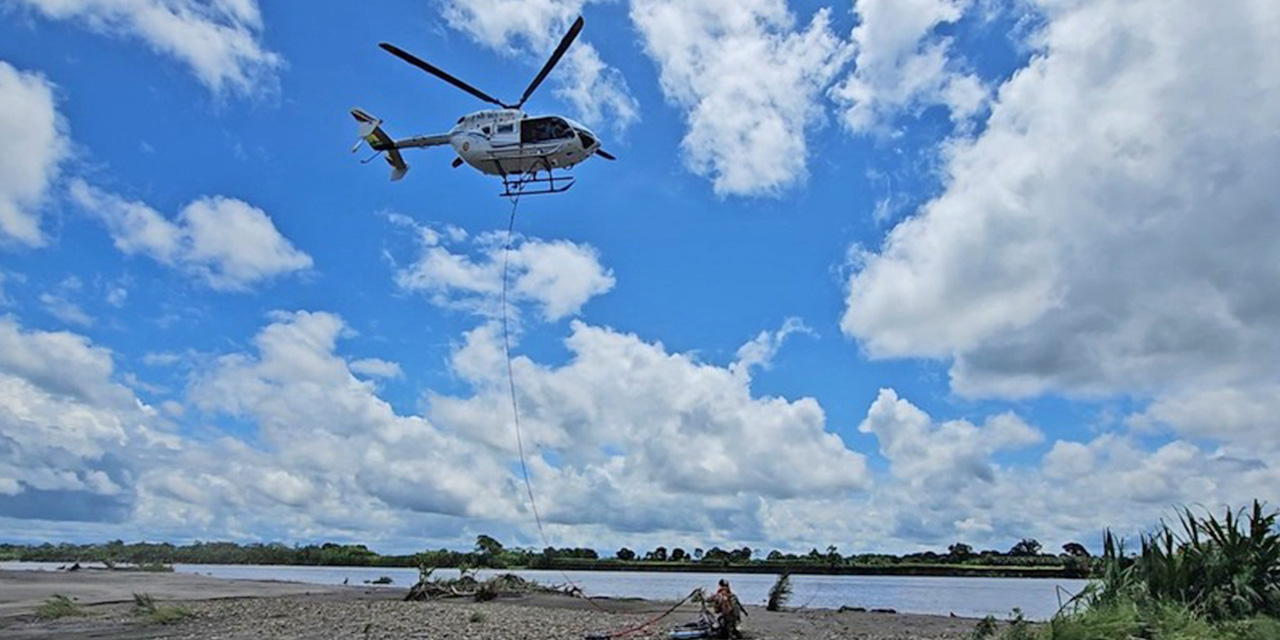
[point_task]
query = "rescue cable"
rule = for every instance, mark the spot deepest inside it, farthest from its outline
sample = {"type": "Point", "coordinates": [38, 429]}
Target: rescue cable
{"type": "Point", "coordinates": [524, 467]}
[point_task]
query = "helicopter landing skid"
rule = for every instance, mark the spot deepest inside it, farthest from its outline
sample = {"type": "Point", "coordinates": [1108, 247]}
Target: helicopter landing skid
{"type": "Point", "coordinates": [532, 184]}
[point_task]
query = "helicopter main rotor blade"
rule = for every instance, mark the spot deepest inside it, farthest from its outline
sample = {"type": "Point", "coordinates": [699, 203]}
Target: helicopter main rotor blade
{"type": "Point", "coordinates": [551, 63]}
{"type": "Point", "coordinates": [440, 73]}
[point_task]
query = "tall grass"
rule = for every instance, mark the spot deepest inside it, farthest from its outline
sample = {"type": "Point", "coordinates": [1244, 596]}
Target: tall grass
{"type": "Point", "coordinates": [1226, 569]}
{"type": "Point", "coordinates": [58, 606]}
{"type": "Point", "coordinates": [1203, 578]}
{"type": "Point", "coordinates": [146, 608]}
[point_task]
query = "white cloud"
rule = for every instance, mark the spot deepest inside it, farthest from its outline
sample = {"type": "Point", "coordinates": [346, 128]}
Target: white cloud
{"type": "Point", "coordinates": [229, 244]}
{"type": "Point", "coordinates": [117, 295]}
{"type": "Point", "coordinates": [761, 351]}
{"type": "Point", "coordinates": [749, 81]}
{"type": "Point", "coordinates": [65, 310]}
{"type": "Point", "coordinates": [234, 244]}
{"type": "Point", "coordinates": [662, 431]}
{"type": "Point", "coordinates": [60, 362]}
{"type": "Point", "coordinates": [331, 431]}
{"type": "Point", "coordinates": [694, 454]}
{"type": "Point", "coordinates": [35, 145]}
{"type": "Point", "coordinates": [1245, 416]}
{"type": "Point", "coordinates": [70, 437]}
{"type": "Point", "coordinates": [530, 30]}
{"type": "Point", "coordinates": [557, 275]}
{"type": "Point", "coordinates": [218, 39]}
{"type": "Point", "coordinates": [902, 66]}
{"type": "Point", "coordinates": [943, 455]}
{"type": "Point", "coordinates": [946, 485]}
{"type": "Point", "coordinates": [1112, 230]}
{"type": "Point", "coordinates": [376, 368]}
{"type": "Point", "coordinates": [1068, 460]}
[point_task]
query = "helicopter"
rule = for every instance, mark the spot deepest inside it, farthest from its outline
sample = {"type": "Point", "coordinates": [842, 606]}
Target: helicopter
{"type": "Point", "coordinates": [503, 142]}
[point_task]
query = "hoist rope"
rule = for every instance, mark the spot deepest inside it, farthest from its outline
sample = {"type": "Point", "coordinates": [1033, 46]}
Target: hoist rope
{"type": "Point", "coordinates": [511, 375]}
{"type": "Point", "coordinates": [524, 467]}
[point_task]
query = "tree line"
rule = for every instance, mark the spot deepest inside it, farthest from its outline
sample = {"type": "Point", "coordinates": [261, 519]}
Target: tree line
{"type": "Point", "coordinates": [488, 552]}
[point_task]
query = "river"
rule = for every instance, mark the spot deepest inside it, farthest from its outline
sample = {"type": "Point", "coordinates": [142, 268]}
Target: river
{"type": "Point", "coordinates": [1038, 598]}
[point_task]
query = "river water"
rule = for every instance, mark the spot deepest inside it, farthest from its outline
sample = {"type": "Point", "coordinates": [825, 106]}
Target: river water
{"type": "Point", "coordinates": [1038, 598]}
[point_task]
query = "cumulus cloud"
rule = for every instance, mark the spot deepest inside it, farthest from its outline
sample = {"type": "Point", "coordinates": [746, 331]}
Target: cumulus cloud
{"type": "Point", "coordinates": [329, 429]}
{"type": "Point", "coordinates": [69, 434]}
{"type": "Point", "coordinates": [35, 145]}
{"type": "Point", "coordinates": [749, 81]}
{"type": "Point", "coordinates": [219, 40]}
{"type": "Point", "coordinates": [455, 270]}
{"type": "Point", "coordinates": [531, 30]}
{"type": "Point", "coordinates": [902, 65]}
{"type": "Point", "coordinates": [1113, 227]}
{"type": "Point", "coordinates": [229, 244]}
{"type": "Point", "coordinates": [1116, 481]}
{"type": "Point", "coordinates": [946, 484]}
{"type": "Point", "coordinates": [1244, 416]}
{"type": "Point", "coordinates": [630, 421]}
{"type": "Point", "coordinates": [949, 453]}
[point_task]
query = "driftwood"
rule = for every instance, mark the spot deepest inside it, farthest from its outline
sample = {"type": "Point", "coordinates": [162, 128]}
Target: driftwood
{"type": "Point", "coordinates": [467, 586]}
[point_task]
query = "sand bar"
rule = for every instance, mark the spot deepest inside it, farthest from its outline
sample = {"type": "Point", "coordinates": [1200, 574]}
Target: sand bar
{"type": "Point", "coordinates": [243, 609]}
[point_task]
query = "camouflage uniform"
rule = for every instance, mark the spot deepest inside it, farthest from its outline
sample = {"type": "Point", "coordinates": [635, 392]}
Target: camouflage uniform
{"type": "Point", "coordinates": [728, 609]}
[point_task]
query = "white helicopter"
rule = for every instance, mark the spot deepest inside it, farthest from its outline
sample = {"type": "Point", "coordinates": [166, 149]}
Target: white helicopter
{"type": "Point", "coordinates": [504, 142]}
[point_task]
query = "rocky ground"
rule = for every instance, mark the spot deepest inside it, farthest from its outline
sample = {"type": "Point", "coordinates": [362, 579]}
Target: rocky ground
{"type": "Point", "coordinates": [368, 613]}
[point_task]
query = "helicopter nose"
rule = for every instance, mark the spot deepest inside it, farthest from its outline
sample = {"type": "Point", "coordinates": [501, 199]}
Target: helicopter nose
{"type": "Point", "coordinates": [588, 139]}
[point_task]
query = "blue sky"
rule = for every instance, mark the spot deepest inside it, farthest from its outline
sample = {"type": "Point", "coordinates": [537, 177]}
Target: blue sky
{"type": "Point", "coordinates": [878, 274]}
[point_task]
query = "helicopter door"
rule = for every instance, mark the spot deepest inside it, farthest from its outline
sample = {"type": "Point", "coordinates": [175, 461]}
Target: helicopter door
{"type": "Point", "coordinates": [534, 130]}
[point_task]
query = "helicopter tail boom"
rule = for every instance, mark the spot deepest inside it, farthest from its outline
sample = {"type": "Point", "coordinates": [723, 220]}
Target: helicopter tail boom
{"type": "Point", "coordinates": [371, 132]}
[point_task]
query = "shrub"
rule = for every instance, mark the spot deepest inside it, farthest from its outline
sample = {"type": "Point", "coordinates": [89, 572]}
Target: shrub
{"type": "Point", "coordinates": [145, 607]}
{"type": "Point", "coordinates": [58, 606]}
{"type": "Point", "coordinates": [780, 592]}
{"type": "Point", "coordinates": [986, 628]}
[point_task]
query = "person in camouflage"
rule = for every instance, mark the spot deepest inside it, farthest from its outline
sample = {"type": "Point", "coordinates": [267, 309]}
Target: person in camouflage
{"type": "Point", "coordinates": [728, 609]}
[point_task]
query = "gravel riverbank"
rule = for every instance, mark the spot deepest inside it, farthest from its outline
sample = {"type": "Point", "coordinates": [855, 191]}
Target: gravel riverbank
{"type": "Point", "coordinates": [243, 610]}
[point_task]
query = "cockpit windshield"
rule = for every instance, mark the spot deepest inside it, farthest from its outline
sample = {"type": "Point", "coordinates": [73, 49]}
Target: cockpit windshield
{"type": "Point", "coordinates": [543, 129]}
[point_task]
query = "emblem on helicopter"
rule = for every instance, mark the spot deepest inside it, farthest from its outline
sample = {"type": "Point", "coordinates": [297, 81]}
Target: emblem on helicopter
{"type": "Point", "coordinates": [525, 151]}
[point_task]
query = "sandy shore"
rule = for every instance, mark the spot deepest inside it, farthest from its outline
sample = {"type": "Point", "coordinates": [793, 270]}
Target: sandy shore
{"type": "Point", "coordinates": [241, 609]}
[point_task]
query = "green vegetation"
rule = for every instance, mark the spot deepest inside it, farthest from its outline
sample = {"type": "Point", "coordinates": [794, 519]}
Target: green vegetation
{"type": "Point", "coordinates": [1024, 559]}
{"type": "Point", "coordinates": [155, 567]}
{"type": "Point", "coordinates": [145, 607]}
{"type": "Point", "coordinates": [1206, 579]}
{"type": "Point", "coordinates": [58, 606]}
{"type": "Point", "coordinates": [779, 593]}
